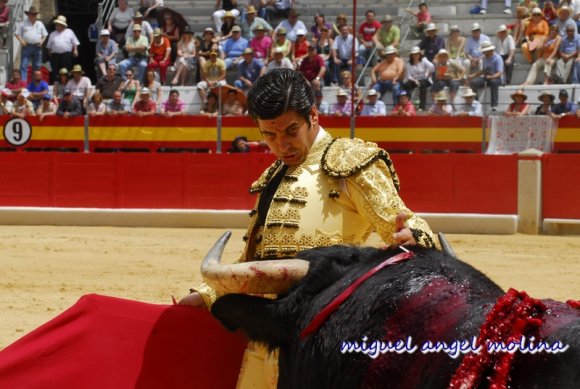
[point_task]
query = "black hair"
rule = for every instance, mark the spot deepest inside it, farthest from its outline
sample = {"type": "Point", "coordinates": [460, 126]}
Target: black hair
{"type": "Point", "coordinates": [279, 91]}
{"type": "Point", "coordinates": [172, 91]}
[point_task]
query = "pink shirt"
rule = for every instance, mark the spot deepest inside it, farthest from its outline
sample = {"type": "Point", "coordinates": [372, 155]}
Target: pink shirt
{"type": "Point", "coordinates": [4, 14]}
{"type": "Point", "coordinates": [178, 107]}
{"type": "Point", "coordinates": [407, 108]}
{"type": "Point", "coordinates": [261, 46]}
{"type": "Point", "coordinates": [423, 17]}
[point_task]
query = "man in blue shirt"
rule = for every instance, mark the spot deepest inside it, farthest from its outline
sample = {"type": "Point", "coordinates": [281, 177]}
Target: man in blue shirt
{"type": "Point", "coordinates": [568, 53]}
{"type": "Point", "coordinates": [491, 74]}
{"type": "Point", "coordinates": [249, 70]}
{"type": "Point", "coordinates": [37, 88]}
{"type": "Point", "coordinates": [472, 49]}
{"type": "Point", "coordinates": [564, 108]}
{"type": "Point", "coordinates": [234, 47]}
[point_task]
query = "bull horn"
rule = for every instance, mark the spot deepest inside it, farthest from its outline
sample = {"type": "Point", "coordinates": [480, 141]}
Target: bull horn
{"type": "Point", "coordinates": [262, 277]}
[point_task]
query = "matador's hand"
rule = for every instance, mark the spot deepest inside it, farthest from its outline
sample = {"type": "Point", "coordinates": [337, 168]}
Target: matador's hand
{"type": "Point", "coordinates": [403, 235]}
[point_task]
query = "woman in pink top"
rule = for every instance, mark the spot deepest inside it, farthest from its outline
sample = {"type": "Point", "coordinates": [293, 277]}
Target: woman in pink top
{"type": "Point", "coordinates": [261, 43]}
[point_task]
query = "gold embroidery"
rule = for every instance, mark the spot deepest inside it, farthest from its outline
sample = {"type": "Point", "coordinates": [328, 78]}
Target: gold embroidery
{"type": "Point", "coordinates": [261, 182]}
{"type": "Point", "coordinates": [344, 157]}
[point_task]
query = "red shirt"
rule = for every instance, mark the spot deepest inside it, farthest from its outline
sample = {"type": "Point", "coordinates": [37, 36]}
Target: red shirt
{"type": "Point", "coordinates": [141, 106]}
{"type": "Point", "coordinates": [311, 68]}
{"type": "Point", "coordinates": [407, 108]}
{"type": "Point", "coordinates": [367, 30]}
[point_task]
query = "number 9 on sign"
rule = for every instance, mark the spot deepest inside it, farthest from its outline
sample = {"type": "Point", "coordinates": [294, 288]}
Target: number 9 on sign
{"type": "Point", "coordinates": [17, 131]}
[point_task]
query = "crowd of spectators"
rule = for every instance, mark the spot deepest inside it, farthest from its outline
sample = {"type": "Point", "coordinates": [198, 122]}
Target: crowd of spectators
{"type": "Point", "coordinates": [146, 46]}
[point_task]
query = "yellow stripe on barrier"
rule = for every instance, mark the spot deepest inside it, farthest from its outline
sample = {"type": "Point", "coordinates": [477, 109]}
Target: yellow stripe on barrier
{"type": "Point", "coordinates": [58, 133]}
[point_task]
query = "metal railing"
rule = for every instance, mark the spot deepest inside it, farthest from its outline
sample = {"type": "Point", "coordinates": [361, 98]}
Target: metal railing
{"type": "Point", "coordinates": [105, 9]}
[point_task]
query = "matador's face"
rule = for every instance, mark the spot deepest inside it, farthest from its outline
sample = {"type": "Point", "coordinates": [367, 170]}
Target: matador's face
{"type": "Point", "coordinates": [290, 136]}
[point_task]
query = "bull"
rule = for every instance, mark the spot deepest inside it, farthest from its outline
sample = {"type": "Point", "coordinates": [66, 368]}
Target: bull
{"type": "Point", "coordinates": [432, 299]}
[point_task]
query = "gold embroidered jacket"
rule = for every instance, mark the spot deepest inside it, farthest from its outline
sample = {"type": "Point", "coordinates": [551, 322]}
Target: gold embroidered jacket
{"type": "Point", "coordinates": [344, 189]}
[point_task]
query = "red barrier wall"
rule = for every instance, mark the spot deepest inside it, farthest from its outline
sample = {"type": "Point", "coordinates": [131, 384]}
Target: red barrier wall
{"type": "Point", "coordinates": [430, 183]}
{"type": "Point", "coordinates": [561, 186]}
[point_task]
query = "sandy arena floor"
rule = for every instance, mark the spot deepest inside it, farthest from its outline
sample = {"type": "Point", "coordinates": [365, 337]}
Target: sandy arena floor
{"type": "Point", "coordinates": [46, 269]}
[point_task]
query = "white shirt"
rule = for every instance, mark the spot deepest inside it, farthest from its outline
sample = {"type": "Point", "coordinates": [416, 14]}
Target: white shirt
{"type": "Point", "coordinates": [284, 64]}
{"type": "Point", "coordinates": [79, 89]}
{"type": "Point", "coordinates": [62, 42]}
{"type": "Point", "coordinates": [291, 30]}
{"type": "Point", "coordinates": [343, 46]}
{"type": "Point", "coordinates": [503, 48]}
{"type": "Point", "coordinates": [32, 34]}
{"type": "Point", "coordinates": [421, 70]}
{"type": "Point", "coordinates": [376, 109]}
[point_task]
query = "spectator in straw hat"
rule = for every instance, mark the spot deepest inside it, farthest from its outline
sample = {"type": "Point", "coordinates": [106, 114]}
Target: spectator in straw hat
{"type": "Point", "coordinates": [431, 43]}
{"type": "Point", "coordinates": [547, 60]}
{"type": "Point", "coordinates": [261, 43]}
{"type": "Point", "coordinates": [565, 20]}
{"type": "Point", "coordinates": [388, 74]}
{"type": "Point", "coordinates": [105, 52]}
{"type": "Point", "coordinates": [405, 107]}
{"type": "Point", "coordinates": [221, 7]}
{"type": "Point", "coordinates": [136, 46]}
{"type": "Point", "coordinates": [79, 85]}
{"type": "Point", "coordinates": [234, 47]}
{"type": "Point", "coordinates": [447, 74]}
{"type": "Point", "coordinates": [472, 49]}
{"type": "Point", "coordinates": [280, 61]}
{"type": "Point", "coordinates": [159, 54]}
{"type": "Point", "coordinates": [506, 48]}
{"type": "Point", "coordinates": [373, 106]}
{"type": "Point", "coordinates": [249, 70]}
{"type": "Point", "coordinates": [491, 75]}
{"type": "Point", "coordinates": [568, 53]}
{"type": "Point", "coordinates": [251, 22]}
{"type": "Point", "coordinates": [387, 35]}
{"type": "Point", "coordinates": [535, 33]}
{"type": "Point", "coordinates": [229, 22]}
{"type": "Point", "coordinates": [455, 46]}
{"type": "Point", "coordinates": [343, 106]}
{"type": "Point", "coordinates": [519, 107]}
{"type": "Point", "coordinates": [419, 70]}
{"type": "Point", "coordinates": [547, 100]}
{"type": "Point", "coordinates": [213, 73]}
{"type": "Point", "coordinates": [440, 107]}
{"type": "Point", "coordinates": [31, 34]}
{"type": "Point", "coordinates": [281, 42]}
{"type": "Point", "coordinates": [470, 106]}
{"type": "Point", "coordinates": [62, 46]}
{"type": "Point", "coordinates": [146, 29]}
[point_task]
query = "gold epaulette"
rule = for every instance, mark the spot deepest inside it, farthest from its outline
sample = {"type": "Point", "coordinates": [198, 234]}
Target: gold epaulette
{"type": "Point", "coordinates": [344, 157]}
{"type": "Point", "coordinates": [261, 182]}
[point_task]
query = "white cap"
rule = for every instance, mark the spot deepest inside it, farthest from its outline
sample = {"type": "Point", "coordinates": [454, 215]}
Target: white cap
{"type": "Point", "coordinates": [300, 31]}
{"type": "Point", "coordinates": [104, 31]}
{"type": "Point", "coordinates": [372, 92]}
{"type": "Point", "coordinates": [390, 50]}
{"type": "Point", "coordinates": [475, 26]}
{"type": "Point", "coordinates": [502, 27]}
{"type": "Point", "coordinates": [415, 50]}
{"type": "Point", "coordinates": [430, 27]}
{"type": "Point", "coordinates": [145, 91]}
{"type": "Point", "coordinates": [486, 46]}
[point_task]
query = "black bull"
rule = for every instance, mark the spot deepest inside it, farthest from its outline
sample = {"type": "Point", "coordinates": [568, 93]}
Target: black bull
{"type": "Point", "coordinates": [432, 297]}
